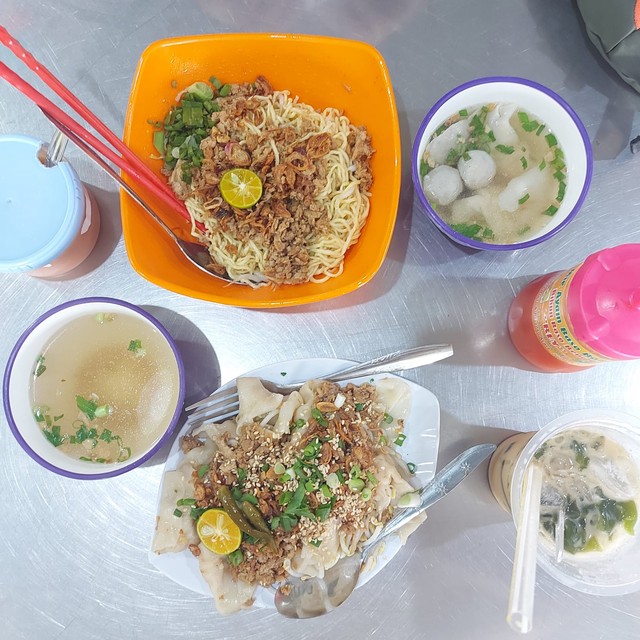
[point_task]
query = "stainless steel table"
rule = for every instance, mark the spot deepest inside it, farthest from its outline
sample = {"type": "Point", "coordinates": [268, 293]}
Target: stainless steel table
{"type": "Point", "coordinates": [73, 555]}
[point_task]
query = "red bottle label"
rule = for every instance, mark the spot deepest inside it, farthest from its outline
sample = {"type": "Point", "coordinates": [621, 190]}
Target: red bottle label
{"type": "Point", "coordinates": [553, 327]}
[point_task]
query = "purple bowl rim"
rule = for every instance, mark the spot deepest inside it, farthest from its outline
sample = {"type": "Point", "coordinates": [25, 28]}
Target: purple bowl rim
{"type": "Point", "coordinates": [469, 242]}
{"type": "Point", "coordinates": [9, 368]}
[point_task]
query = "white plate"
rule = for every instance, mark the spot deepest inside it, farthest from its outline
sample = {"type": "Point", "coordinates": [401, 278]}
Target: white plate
{"type": "Point", "coordinates": [422, 427]}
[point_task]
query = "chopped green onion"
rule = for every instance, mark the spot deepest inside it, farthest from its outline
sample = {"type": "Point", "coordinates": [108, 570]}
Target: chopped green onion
{"type": "Point", "coordinates": [359, 406]}
{"type": "Point", "coordinates": [319, 418]}
{"type": "Point", "coordinates": [542, 165]}
{"type": "Point", "coordinates": [279, 468]}
{"type": "Point", "coordinates": [299, 423]}
{"type": "Point", "coordinates": [315, 543]}
{"type": "Point", "coordinates": [463, 112]}
{"type": "Point", "coordinates": [366, 494]}
{"type": "Point", "coordinates": [249, 497]}
{"type": "Point", "coordinates": [502, 148]}
{"type": "Point", "coordinates": [411, 499]}
{"type": "Point", "coordinates": [540, 130]}
{"type": "Point", "coordinates": [333, 481]}
{"type": "Point", "coordinates": [186, 502]}
{"type": "Point", "coordinates": [176, 512]}
{"type": "Point", "coordinates": [551, 140]}
{"type": "Point", "coordinates": [412, 467]}
{"type": "Point", "coordinates": [355, 471]}
{"type": "Point", "coordinates": [387, 418]}
{"type": "Point", "coordinates": [134, 345]}
{"type": "Point", "coordinates": [561, 190]}
{"type": "Point", "coordinates": [550, 211]}
{"type": "Point", "coordinates": [103, 411]}
{"type": "Point", "coordinates": [524, 198]}
{"type": "Point", "coordinates": [399, 441]}
{"type": "Point", "coordinates": [40, 369]}
{"type": "Point", "coordinates": [225, 90]}
{"type": "Point", "coordinates": [372, 479]}
{"type": "Point", "coordinates": [326, 491]}
{"type": "Point", "coordinates": [523, 162]}
{"type": "Point", "coordinates": [468, 230]}
{"type": "Point", "coordinates": [425, 167]}
{"type": "Point", "coordinates": [235, 557]}
{"type": "Point", "coordinates": [88, 407]}
{"type": "Point", "coordinates": [202, 470]}
{"type": "Point", "coordinates": [340, 476]}
{"type": "Point", "coordinates": [356, 484]}
{"type": "Point", "coordinates": [158, 141]}
{"type": "Point", "coordinates": [265, 467]}
{"type": "Point", "coordinates": [215, 82]}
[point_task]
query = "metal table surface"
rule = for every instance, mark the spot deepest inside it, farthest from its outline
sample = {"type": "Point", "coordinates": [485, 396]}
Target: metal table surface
{"type": "Point", "coordinates": [73, 555]}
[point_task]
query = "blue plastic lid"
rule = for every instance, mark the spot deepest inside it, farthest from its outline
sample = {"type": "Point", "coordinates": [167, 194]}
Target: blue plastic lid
{"type": "Point", "coordinates": [41, 208]}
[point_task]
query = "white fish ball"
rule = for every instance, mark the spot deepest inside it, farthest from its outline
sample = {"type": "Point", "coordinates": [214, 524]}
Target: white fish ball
{"type": "Point", "coordinates": [479, 170]}
{"type": "Point", "coordinates": [442, 185]}
{"type": "Point", "coordinates": [529, 183]}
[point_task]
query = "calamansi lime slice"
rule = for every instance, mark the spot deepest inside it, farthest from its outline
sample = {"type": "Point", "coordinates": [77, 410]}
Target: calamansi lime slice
{"type": "Point", "coordinates": [218, 532]}
{"type": "Point", "coordinates": [241, 188]}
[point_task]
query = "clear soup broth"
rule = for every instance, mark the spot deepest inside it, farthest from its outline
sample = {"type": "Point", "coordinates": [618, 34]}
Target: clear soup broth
{"type": "Point", "coordinates": [105, 387]}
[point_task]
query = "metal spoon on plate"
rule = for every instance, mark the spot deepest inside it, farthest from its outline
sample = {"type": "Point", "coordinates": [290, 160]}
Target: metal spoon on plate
{"type": "Point", "coordinates": [297, 598]}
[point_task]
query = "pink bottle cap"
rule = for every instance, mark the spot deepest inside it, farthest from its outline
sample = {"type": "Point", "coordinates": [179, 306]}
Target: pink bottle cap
{"type": "Point", "coordinates": [604, 302]}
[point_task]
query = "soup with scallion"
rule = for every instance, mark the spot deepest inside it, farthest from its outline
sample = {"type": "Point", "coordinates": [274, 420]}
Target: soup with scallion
{"type": "Point", "coordinates": [494, 173]}
{"type": "Point", "coordinates": [105, 387]}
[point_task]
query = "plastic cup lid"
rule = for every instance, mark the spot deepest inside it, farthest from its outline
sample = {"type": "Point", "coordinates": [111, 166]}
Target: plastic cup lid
{"type": "Point", "coordinates": [604, 302]}
{"type": "Point", "coordinates": [41, 208]}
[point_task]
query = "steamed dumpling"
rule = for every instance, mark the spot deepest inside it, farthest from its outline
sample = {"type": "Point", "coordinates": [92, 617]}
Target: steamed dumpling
{"type": "Point", "coordinates": [442, 185]}
{"type": "Point", "coordinates": [498, 121]}
{"type": "Point", "coordinates": [438, 149]}
{"type": "Point", "coordinates": [531, 183]}
{"type": "Point", "coordinates": [478, 171]}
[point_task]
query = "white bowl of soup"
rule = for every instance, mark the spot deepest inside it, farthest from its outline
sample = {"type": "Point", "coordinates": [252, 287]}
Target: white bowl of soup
{"type": "Point", "coordinates": [501, 163]}
{"type": "Point", "coordinates": [94, 388]}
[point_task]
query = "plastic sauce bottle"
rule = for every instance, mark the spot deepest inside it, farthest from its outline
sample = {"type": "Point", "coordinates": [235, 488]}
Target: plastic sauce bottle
{"type": "Point", "coordinates": [570, 320]}
{"type": "Point", "coordinates": [49, 221]}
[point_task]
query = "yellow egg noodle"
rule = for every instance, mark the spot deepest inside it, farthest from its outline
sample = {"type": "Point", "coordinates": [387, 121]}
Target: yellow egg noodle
{"type": "Point", "coordinates": [346, 203]}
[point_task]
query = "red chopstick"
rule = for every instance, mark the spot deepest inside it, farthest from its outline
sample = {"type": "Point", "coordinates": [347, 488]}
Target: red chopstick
{"type": "Point", "coordinates": [128, 162]}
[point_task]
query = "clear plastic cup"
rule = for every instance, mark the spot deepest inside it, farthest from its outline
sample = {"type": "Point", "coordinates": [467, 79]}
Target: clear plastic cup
{"type": "Point", "coordinates": [613, 571]}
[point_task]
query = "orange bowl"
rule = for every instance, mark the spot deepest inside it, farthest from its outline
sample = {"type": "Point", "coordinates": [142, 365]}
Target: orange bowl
{"type": "Point", "coordinates": [321, 71]}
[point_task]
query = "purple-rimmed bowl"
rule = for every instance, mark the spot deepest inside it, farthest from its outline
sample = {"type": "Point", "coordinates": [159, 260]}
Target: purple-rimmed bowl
{"type": "Point", "coordinates": [546, 105]}
{"type": "Point", "coordinates": [20, 370]}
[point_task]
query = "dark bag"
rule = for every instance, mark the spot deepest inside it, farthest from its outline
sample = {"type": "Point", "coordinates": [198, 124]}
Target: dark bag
{"type": "Point", "coordinates": [614, 28]}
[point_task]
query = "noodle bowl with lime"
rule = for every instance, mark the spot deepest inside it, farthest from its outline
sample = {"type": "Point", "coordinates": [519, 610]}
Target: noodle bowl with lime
{"type": "Point", "coordinates": [309, 171]}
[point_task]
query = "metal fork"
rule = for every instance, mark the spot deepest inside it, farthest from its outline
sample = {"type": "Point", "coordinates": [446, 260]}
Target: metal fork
{"type": "Point", "coordinates": [224, 403]}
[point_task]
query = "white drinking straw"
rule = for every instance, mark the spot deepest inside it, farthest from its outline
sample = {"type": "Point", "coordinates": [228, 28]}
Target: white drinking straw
{"type": "Point", "coordinates": [523, 578]}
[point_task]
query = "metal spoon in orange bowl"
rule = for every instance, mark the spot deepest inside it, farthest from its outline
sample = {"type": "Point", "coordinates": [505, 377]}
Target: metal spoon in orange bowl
{"type": "Point", "coordinates": [297, 598]}
{"type": "Point", "coordinates": [197, 254]}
